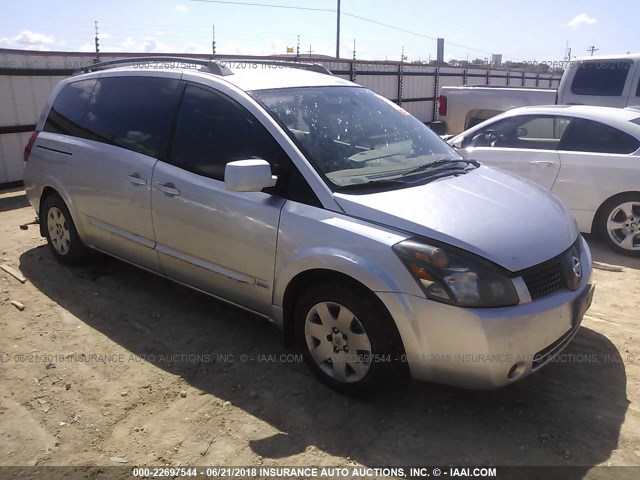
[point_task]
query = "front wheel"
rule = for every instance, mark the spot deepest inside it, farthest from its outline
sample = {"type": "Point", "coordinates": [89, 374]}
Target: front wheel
{"type": "Point", "coordinates": [348, 343]}
{"type": "Point", "coordinates": [619, 224]}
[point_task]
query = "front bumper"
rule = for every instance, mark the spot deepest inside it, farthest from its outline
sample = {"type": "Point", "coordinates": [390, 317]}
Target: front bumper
{"type": "Point", "coordinates": [492, 347]}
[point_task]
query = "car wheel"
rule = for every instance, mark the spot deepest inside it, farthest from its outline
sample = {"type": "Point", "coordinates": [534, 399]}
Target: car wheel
{"type": "Point", "coordinates": [346, 340]}
{"type": "Point", "coordinates": [61, 233]}
{"type": "Point", "coordinates": [619, 223]}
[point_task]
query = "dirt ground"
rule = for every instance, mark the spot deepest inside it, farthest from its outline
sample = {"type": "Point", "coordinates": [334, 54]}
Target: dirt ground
{"type": "Point", "coordinates": [109, 364]}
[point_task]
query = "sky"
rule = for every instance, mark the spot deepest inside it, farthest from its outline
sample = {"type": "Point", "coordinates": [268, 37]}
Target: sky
{"type": "Point", "coordinates": [520, 31]}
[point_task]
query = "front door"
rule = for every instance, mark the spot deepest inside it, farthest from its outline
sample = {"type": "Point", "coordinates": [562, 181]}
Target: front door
{"type": "Point", "coordinates": [525, 145]}
{"type": "Point", "coordinates": [218, 241]}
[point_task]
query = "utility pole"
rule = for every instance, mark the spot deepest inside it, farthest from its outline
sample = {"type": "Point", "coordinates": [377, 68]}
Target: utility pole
{"type": "Point", "coordinates": [310, 52]}
{"type": "Point", "coordinates": [213, 40]}
{"type": "Point", "coordinates": [97, 44]}
{"type": "Point", "coordinates": [298, 49]}
{"type": "Point", "coordinates": [354, 49]}
{"type": "Point", "coordinates": [592, 49]}
{"type": "Point", "coordinates": [338, 32]}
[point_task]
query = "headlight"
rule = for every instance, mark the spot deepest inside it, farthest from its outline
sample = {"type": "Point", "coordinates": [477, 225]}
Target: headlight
{"type": "Point", "coordinates": [452, 276]}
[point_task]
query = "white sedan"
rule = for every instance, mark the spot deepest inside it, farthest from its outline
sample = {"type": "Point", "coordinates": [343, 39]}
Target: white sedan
{"type": "Point", "coordinates": [588, 156]}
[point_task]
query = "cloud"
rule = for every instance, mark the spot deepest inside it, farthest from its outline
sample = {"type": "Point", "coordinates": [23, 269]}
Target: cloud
{"type": "Point", "coordinates": [181, 8]}
{"type": "Point", "coordinates": [28, 40]}
{"type": "Point", "coordinates": [580, 19]}
{"type": "Point", "coordinates": [150, 44]}
{"type": "Point", "coordinates": [129, 44]}
{"type": "Point", "coordinates": [27, 37]}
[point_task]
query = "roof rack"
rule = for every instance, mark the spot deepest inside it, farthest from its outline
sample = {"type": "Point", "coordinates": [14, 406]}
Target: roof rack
{"type": "Point", "coordinates": [216, 67]}
{"type": "Point", "coordinates": [210, 66]}
{"type": "Point", "coordinates": [312, 67]}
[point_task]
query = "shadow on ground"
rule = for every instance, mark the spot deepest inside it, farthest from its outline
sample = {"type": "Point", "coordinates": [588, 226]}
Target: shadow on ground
{"type": "Point", "coordinates": [14, 202]}
{"type": "Point", "coordinates": [601, 252]}
{"type": "Point", "coordinates": [570, 413]}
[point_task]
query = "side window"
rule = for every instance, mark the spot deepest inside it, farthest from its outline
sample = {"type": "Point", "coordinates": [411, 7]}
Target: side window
{"type": "Point", "coordinates": [134, 112]}
{"type": "Point", "coordinates": [68, 109]}
{"type": "Point", "coordinates": [638, 89]}
{"type": "Point", "coordinates": [603, 78]}
{"type": "Point", "coordinates": [527, 131]}
{"type": "Point", "coordinates": [213, 130]}
{"type": "Point", "coordinates": [589, 136]}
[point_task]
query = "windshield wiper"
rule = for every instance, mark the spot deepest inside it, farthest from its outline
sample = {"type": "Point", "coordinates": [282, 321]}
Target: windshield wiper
{"type": "Point", "coordinates": [440, 162]}
{"type": "Point", "coordinates": [369, 184]}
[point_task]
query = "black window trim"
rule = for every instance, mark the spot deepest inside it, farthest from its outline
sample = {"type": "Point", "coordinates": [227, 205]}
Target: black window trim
{"type": "Point", "coordinates": [174, 122]}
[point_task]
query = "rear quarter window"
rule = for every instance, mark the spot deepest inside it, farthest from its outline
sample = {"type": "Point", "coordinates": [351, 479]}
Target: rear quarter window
{"type": "Point", "coordinates": [589, 136]}
{"type": "Point", "coordinates": [68, 109]}
{"type": "Point", "coordinates": [602, 78]}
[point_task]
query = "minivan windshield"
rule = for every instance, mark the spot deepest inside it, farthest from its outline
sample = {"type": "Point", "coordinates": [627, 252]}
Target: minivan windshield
{"type": "Point", "coordinates": [353, 136]}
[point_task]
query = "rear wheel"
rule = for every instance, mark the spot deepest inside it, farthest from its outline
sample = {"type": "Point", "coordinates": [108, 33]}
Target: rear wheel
{"type": "Point", "coordinates": [619, 223]}
{"type": "Point", "coordinates": [61, 233]}
{"type": "Point", "coordinates": [347, 342]}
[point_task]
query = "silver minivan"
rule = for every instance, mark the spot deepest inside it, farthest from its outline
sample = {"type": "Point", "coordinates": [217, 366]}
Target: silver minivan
{"type": "Point", "coordinates": [315, 203]}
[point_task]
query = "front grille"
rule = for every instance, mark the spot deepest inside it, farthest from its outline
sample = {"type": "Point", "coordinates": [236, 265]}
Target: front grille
{"type": "Point", "coordinates": [552, 275]}
{"type": "Point", "coordinates": [544, 279]}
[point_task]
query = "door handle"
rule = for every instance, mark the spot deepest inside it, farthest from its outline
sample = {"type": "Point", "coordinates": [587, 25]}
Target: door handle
{"type": "Point", "coordinates": [168, 188]}
{"type": "Point", "coordinates": [542, 163]}
{"type": "Point", "coordinates": [136, 179]}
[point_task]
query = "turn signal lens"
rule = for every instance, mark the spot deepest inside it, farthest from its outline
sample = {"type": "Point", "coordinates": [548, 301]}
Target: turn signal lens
{"type": "Point", "coordinates": [420, 272]}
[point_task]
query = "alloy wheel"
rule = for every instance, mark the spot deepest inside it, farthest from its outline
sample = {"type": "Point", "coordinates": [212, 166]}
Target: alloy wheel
{"type": "Point", "coordinates": [623, 226]}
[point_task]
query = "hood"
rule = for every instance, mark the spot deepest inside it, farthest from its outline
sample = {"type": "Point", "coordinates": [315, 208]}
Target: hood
{"type": "Point", "coordinates": [505, 219]}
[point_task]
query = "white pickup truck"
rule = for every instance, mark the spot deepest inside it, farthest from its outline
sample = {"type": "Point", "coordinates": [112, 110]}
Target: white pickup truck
{"type": "Point", "coordinates": [612, 81]}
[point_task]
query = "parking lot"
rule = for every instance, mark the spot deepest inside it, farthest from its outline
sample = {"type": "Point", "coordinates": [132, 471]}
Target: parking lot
{"type": "Point", "coordinates": [110, 365]}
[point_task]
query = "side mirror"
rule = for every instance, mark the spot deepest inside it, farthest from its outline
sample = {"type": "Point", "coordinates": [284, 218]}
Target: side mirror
{"type": "Point", "coordinates": [248, 175]}
{"type": "Point", "coordinates": [454, 141]}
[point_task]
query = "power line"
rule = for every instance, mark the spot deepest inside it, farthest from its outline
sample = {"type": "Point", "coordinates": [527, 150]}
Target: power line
{"type": "Point", "coordinates": [364, 19]}
{"type": "Point", "coordinates": [139, 26]}
{"type": "Point", "coordinates": [270, 5]}
{"type": "Point", "coordinates": [410, 32]}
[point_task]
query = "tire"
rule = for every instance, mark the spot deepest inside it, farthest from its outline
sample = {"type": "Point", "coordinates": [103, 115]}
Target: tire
{"type": "Point", "coordinates": [618, 224]}
{"type": "Point", "coordinates": [61, 233]}
{"type": "Point", "coordinates": [347, 341]}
